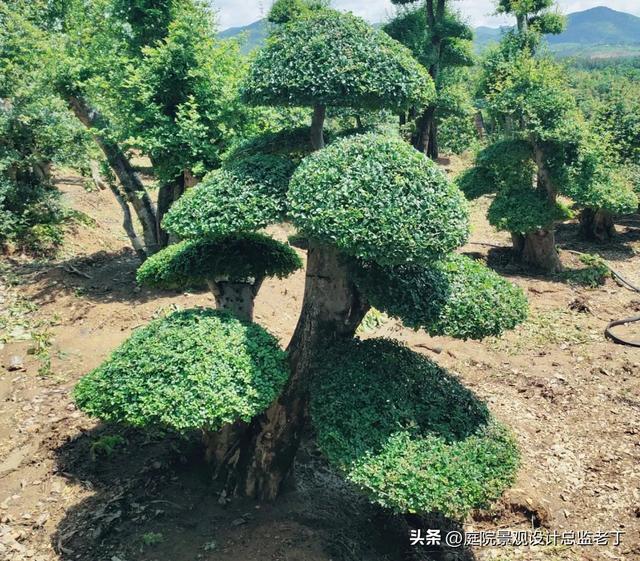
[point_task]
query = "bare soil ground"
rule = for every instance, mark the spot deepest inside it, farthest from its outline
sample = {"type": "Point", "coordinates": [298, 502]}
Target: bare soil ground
{"type": "Point", "coordinates": [69, 492]}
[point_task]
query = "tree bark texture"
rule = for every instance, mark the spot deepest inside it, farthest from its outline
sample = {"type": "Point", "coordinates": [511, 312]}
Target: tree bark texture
{"type": "Point", "coordinates": [317, 127]}
{"type": "Point", "coordinates": [539, 251]}
{"type": "Point", "coordinates": [596, 225]}
{"type": "Point", "coordinates": [332, 309]}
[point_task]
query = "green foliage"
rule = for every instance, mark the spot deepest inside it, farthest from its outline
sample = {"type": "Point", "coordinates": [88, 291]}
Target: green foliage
{"type": "Point", "coordinates": [179, 103]}
{"type": "Point", "coordinates": [195, 369]}
{"type": "Point", "coordinates": [285, 11]}
{"type": "Point", "coordinates": [152, 538]}
{"type": "Point", "coordinates": [36, 132]}
{"type": "Point", "coordinates": [525, 210]}
{"type": "Point", "coordinates": [106, 445]}
{"type": "Point", "coordinates": [244, 196]}
{"type": "Point", "coordinates": [594, 274]}
{"type": "Point", "coordinates": [377, 198]}
{"type": "Point", "coordinates": [408, 433]}
{"type": "Point", "coordinates": [503, 165]}
{"type": "Point", "coordinates": [457, 296]}
{"type": "Point", "coordinates": [235, 258]}
{"type": "Point", "coordinates": [595, 181]}
{"type": "Point", "coordinates": [336, 59]}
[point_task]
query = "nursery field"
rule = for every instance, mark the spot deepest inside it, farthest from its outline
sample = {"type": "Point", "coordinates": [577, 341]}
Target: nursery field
{"type": "Point", "coordinates": [74, 489]}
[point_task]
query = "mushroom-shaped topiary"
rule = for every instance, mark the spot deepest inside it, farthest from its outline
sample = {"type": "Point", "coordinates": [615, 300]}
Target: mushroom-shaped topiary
{"type": "Point", "coordinates": [456, 296]}
{"type": "Point", "coordinates": [195, 369]}
{"type": "Point", "coordinates": [408, 433]}
{"type": "Point", "coordinates": [337, 59]}
{"type": "Point", "coordinates": [377, 198]}
{"type": "Point", "coordinates": [330, 58]}
{"type": "Point", "coordinates": [233, 267]}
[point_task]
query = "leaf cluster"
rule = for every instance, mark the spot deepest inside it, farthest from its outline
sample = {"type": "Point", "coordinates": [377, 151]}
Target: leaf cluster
{"type": "Point", "coordinates": [456, 296]}
{"type": "Point", "coordinates": [336, 59]}
{"type": "Point", "coordinates": [194, 369]}
{"type": "Point", "coordinates": [235, 258]}
{"type": "Point", "coordinates": [408, 433]}
{"type": "Point", "coordinates": [378, 199]}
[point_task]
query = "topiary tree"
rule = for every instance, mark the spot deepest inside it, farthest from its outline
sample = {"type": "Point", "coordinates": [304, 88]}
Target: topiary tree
{"type": "Point", "coordinates": [543, 149]}
{"type": "Point", "coordinates": [370, 206]}
{"type": "Point", "coordinates": [442, 42]}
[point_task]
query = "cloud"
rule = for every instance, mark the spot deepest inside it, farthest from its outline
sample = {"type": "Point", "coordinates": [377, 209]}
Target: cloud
{"type": "Point", "coordinates": [234, 13]}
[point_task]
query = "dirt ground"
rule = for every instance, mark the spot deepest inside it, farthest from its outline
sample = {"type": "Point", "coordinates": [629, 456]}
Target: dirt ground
{"type": "Point", "coordinates": [73, 489]}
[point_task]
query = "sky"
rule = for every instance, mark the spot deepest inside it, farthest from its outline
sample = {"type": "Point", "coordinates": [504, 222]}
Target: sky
{"type": "Point", "coordinates": [234, 13]}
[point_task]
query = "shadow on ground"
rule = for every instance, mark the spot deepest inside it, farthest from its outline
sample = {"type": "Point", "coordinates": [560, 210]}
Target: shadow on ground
{"type": "Point", "coordinates": [101, 277]}
{"type": "Point", "coordinates": [152, 499]}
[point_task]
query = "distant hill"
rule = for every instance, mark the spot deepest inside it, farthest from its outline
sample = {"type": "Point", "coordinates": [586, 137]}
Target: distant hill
{"type": "Point", "coordinates": [597, 32]}
{"type": "Point", "coordinates": [252, 35]}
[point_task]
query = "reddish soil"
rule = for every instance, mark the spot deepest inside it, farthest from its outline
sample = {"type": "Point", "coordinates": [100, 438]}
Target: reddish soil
{"type": "Point", "coordinates": [572, 398]}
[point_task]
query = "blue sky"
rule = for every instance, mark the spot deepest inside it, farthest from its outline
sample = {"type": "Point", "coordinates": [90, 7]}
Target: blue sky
{"type": "Point", "coordinates": [234, 13]}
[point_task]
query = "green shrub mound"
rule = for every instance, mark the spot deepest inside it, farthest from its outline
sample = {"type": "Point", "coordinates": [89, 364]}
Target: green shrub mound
{"type": "Point", "coordinates": [456, 296]}
{"type": "Point", "coordinates": [336, 59]}
{"type": "Point", "coordinates": [506, 164]}
{"type": "Point", "coordinates": [377, 198]}
{"type": "Point", "coordinates": [408, 433]}
{"type": "Point", "coordinates": [525, 211]}
{"type": "Point", "coordinates": [195, 369]}
{"type": "Point", "coordinates": [593, 182]}
{"type": "Point", "coordinates": [244, 196]}
{"type": "Point", "coordinates": [235, 258]}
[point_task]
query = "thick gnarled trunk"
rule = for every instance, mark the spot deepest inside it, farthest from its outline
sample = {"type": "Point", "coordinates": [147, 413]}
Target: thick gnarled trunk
{"type": "Point", "coordinates": [538, 250]}
{"type": "Point", "coordinates": [258, 465]}
{"type": "Point", "coordinates": [596, 225]}
{"type": "Point", "coordinates": [235, 297]}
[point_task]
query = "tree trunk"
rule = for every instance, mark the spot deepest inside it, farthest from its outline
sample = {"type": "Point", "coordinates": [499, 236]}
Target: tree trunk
{"type": "Point", "coordinates": [539, 251]}
{"type": "Point", "coordinates": [317, 127]}
{"type": "Point", "coordinates": [133, 189]}
{"type": "Point", "coordinates": [264, 458]}
{"type": "Point", "coordinates": [168, 193]}
{"type": "Point", "coordinates": [236, 297]}
{"type": "Point", "coordinates": [596, 225]}
{"type": "Point", "coordinates": [518, 244]}
{"type": "Point", "coordinates": [425, 132]}
{"type": "Point", "coordinates": [127, 223]}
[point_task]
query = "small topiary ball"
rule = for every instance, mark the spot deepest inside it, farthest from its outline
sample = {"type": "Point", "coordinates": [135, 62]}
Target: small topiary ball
{"type": "Point", "coordinates": [408, 433]}
{"type": "Point", "coordinates": [336, 59]}
{"type": "Point", "coordinates": [194, 369]}
{"type": "Point", "coordinates": [456, 296]}
{"type": "Point", "coordinates": [377, 198]}
{"type": "Point", "coordinates": [236, 258]}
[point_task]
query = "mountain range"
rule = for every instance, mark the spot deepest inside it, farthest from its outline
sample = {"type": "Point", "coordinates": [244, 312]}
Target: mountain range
{"type": "Point", "coordinates": [597, 32]}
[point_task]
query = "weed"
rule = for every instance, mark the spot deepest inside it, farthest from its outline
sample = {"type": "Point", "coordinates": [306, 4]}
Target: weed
{"type": "Point", "coordinates": [106, 446]}
{"type": "Point", "coordinates": [593, 275]}
{"type": "Point", "coordinates": [152, 538]}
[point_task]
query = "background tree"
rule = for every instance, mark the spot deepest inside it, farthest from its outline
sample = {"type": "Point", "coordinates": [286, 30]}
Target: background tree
{"type": "Point", "coordinates": [442, 42]}
{"type": "Point", "coordinates": [372, 208]}
{"type": "Point", "coordinates": [149, 76]}
{"type": "Point", "coordinates": [36, 132]}
{"type": "Point", "coordinates": [543, 148]}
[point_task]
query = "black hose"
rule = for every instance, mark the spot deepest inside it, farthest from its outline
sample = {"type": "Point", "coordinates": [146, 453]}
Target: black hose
{"type": "Point", "coordinates": [607, 332]}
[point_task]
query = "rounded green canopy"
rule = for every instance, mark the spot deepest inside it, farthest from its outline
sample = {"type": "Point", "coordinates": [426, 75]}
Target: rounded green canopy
{"type": "Point", "coordinates": [235, 258]}
{"type": "Point", "coordinates": [377, 198]}
{"type": "Point", "coordinates": [408, 433]}
{"type": "Point", "coordinates": [336, 59]}
{"type": "Point", "coordinates": [247, 193]}
{"type": "Point", "coordinates": [194, 369]}
{"type": "Point", "coordinates": [456, 296]}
